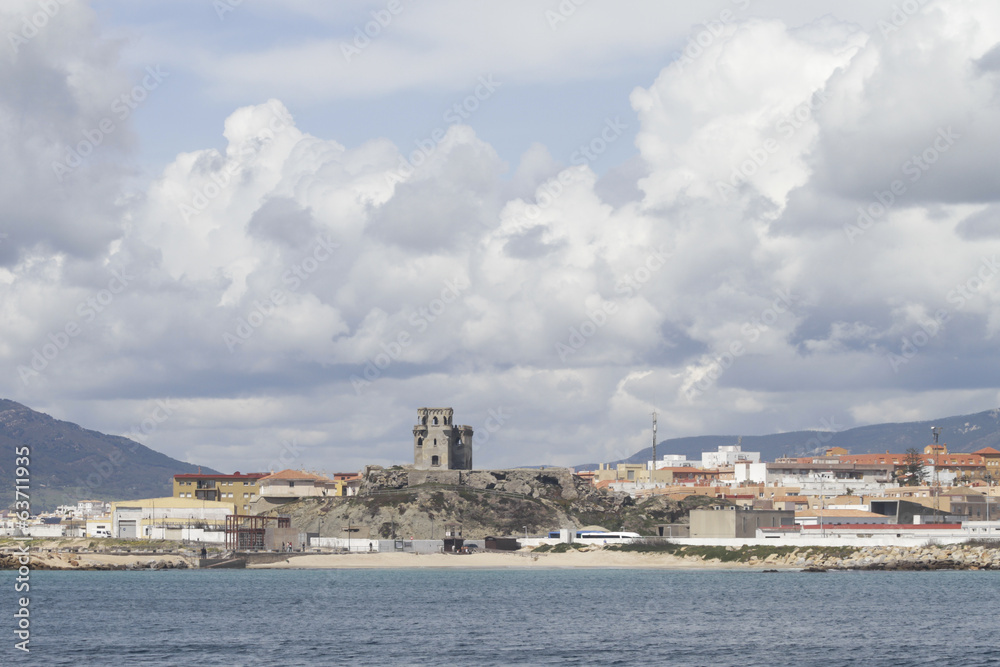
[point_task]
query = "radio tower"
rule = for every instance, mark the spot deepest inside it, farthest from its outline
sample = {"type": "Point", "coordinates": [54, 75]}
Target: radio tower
{"type": "Point", "coordinates": [654, 451]}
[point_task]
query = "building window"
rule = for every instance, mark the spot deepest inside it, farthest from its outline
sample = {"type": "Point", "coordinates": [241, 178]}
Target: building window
{"type": "Point", "coordinates": [435, 461]}
{"type": "Point", "coordinates": [420, 442]}
{"type": "Point", "coordinates": [435, 422]}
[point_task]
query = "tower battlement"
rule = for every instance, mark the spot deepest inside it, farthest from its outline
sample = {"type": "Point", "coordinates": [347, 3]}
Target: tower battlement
{"type": "Point", "coordinates": [438, 444]}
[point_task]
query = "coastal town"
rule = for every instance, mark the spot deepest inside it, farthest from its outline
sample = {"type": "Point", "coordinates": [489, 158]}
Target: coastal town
{"type": "Point", "coordinates": [728, 497]}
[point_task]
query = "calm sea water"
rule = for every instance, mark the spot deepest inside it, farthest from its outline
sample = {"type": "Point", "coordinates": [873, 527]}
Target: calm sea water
{"type": "Point", "coordinates": [499, 617]}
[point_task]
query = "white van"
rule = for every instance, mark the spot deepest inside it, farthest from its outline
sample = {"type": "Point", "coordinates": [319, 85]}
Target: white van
{"type": "Point", "coordinates": [102, 532]}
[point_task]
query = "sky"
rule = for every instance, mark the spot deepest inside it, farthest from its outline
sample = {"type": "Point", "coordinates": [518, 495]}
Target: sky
{"type": "Point", "coordinates": [256, 235]}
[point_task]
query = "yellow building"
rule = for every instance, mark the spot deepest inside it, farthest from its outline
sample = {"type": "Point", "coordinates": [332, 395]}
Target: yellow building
{"type": "Point", "coordinates": [239, 489]}
{"type": "Point", "coordinates": [991, 462]}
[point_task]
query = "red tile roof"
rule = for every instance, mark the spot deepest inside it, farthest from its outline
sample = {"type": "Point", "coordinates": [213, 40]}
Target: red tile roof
{"type": "Point", "coordinates": [886, 526]}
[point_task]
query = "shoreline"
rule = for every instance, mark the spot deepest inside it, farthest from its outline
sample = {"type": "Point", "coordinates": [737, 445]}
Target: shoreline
{"type": "Point", "coordinates": [931, 557]}
{"type": "Point", "coordinates": [603, 560]}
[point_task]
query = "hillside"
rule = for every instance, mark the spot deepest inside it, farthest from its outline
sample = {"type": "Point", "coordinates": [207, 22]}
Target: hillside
{"type": "Point", "coordinates": [964, 433]}
{"type": "Point", "coordinates": [70, 463]}
{"type": "Point", "coordinates": [489, 502]}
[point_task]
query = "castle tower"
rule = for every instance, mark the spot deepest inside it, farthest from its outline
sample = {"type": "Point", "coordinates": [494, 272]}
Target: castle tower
{"type": "Point", "coordinates": [438, 444]}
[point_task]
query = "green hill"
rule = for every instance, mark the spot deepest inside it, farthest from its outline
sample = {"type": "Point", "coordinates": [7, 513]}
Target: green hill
{"type": "Point", "coordinates": [70, 463]}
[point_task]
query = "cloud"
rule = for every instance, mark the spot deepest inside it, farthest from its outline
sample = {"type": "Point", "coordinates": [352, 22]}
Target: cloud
{"type": "Point", "coordinates": [735, 273]}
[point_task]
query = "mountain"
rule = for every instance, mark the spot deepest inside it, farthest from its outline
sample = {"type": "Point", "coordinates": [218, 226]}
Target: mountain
{"type": "Point", "coordinates": [964, 433]}
{"type": "Point", "coordinates": [70, 463]}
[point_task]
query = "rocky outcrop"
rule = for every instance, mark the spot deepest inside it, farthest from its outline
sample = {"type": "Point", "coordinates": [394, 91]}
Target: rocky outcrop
{"type": "Point", "coordinates": [72, 561]}
{"type": "Point", "coordinates": [549, 483]}
{"type": "Point", "coordinates": [932, 557]}
{"type": "Point", "coordinates": [402, 502]}
{"type": "Point", "coordinates": [936, 557]}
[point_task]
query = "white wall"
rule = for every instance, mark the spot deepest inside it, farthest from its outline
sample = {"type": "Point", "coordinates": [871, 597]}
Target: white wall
{"type": "Point", "coordinates": [355, 544]}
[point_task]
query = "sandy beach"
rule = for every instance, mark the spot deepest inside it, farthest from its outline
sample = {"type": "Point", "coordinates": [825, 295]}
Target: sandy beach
{"type": "Point", "coordinates": [514, 560]}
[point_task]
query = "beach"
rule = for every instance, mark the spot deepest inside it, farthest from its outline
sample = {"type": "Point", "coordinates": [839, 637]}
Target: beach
{"type": "Point", "coordinates": [598, 558]}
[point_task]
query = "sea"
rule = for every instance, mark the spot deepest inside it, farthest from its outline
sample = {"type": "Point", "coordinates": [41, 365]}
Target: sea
{"type": "Point", "coordinates": [508, 617]}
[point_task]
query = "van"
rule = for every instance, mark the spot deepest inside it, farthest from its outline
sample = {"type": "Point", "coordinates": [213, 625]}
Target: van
{"type": "Point", "coordinates": [102, 532]}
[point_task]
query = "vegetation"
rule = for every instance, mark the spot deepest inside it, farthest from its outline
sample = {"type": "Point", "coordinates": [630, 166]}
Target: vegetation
{"type": "Point", "coordinates": [911, 473]}
{"type": "Point", "coordinates": [560, 548]}
{"type": "Point", "coordinates": [743, 554]}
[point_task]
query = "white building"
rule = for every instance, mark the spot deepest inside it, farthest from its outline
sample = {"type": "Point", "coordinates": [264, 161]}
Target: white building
{"type": "Point", "coordinates": [89, 508]}
{"type": "Point", "coordinates": [296, 484]}
{"type": "Point", "coordinates": [727, 457]}
{"type": "Point", "coordinates": [672, 461]}
{"type": "Point", "coordinates": [99, 526]}
{"type": "Point", "coordinates": [749, 472]}
{"type": "Point", "coordinates": [167, 518]}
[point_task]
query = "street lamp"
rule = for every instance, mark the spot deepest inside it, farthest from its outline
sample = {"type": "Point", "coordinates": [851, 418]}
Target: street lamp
{"type": "Point", "coordinates": [525, 533]}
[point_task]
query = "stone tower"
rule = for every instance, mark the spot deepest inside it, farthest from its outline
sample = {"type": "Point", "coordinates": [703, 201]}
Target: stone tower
{"type": "Point", "coordinates": [438, 444]}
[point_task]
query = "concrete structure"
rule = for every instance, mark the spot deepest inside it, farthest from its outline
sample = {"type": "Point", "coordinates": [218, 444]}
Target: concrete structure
{"type": "Point", "coordinates": [673, 461]}
{"type": "Point", "coordinates": [830, 475]}
{"type": "Point", "coordinates": [730, 521]}
{"type": "Point", "coordinates": [239, 489]}
{"type": "Point", "coordinates": [137, 518]}
{"type": "Point", "coordinates": [991, 462]}
{"type": "Point", "coordinates": [727, 457]}
{"type": "Point", "coordinates": [831, 517]}
{"type": "Point", "coordinates": [99, 526]}
{"type": "Point", "coordinates": [90, 508]}
{"type": "Point", "coordinates": [438, 443]}
{"type": "Point", "coordinates": [749, 472]}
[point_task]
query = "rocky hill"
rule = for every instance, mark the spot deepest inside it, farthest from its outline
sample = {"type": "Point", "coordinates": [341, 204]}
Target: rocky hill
{"type": "Point", "coordinates": [486, 502]}
{"type": "Point", "coordinates": [70, 463]}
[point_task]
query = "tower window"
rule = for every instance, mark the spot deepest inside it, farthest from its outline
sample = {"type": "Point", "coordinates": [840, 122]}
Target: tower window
{"type": "Point", "coordinates": [420, 442]}
{"type": "Point", "coordinates": [435, 461]}
{"type": "Point", "coordinates": [435, 421]}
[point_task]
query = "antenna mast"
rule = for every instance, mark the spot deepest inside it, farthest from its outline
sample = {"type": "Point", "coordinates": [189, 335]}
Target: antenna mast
{"type": "Point", "coordinates": [651, 473]}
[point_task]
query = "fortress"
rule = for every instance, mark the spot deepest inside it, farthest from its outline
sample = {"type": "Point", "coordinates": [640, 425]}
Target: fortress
{"type": "Point", "coordinates": [438, 444]}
